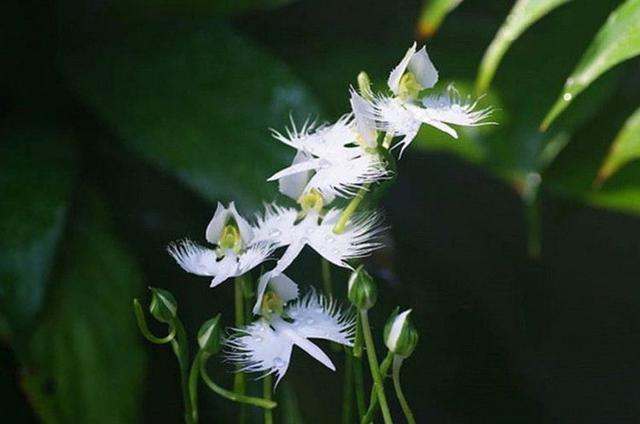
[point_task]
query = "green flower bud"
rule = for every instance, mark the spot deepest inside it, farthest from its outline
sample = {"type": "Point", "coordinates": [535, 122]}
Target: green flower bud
{"type": "Point", "coordinates": [400, 336]}
{"type": "Point", "coordinates": [364, 85]}
{"type": "Point", "coordinates": [163, 305]}
{"type": "Point", "coordinates": [362, 291]}
{"type": "Point", "coordinates": [210, 336]}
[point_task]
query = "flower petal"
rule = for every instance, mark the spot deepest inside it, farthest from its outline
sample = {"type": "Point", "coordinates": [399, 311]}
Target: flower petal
{"type": "Point", "coordinates": [422, 67]}
{"type": "Point", "coordinates": [316, 317]}
{"type": "Point", "coordinates": [398, 71]}
{"type": "Point", "coordinates": [284, 287]}
{"type": "Point", "coordinates": [194, 258]}
{"type": "Point", "coordinates": [246, 232]}
{"type": "Point", "coordinates": [217, 223]}
{"type": "Point", "coordinates": [364, 119]}
{"type": "Point", "coordinates": [286, 329]}
{"type": "Point", "coordinates": [293, 185]}
{"type": "Point", "coordinates": [276, 225]}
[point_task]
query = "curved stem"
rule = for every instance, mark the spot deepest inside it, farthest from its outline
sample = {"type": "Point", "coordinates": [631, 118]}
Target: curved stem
{"type": "Point", "coordinates": [373, 399]}
{"type": "Point", "coordinates": [397, 364]}
{"type": "Point", "coordinates": [193, 385]}
{"type": "Point", "coordinates": [144, 329]}
{"type": "Point", "coordinates": [374, 367]}
{"type": "Point", "coordinates": [228, 394]}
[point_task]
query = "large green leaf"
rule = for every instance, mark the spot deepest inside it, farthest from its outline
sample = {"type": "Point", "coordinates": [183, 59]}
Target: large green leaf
{"type": "Point", "coordinates": [617, 41]}
{"type": "Point", "coordinates": [197, 101]}
{"type": "Point", "coordinates": [38, 168]}
{"type": "Point", "coordinates": [85, 361]}
{"type": "Point", "coordinates": [625, 148]}
{"type": "Point", "coordinates": [432, 14]}
{"type": "Point", "coordinates": [524, 14]}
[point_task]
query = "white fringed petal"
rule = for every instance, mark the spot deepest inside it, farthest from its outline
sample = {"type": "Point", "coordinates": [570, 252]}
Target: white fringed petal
{"type": "Point", "coordinates": [267, 346]}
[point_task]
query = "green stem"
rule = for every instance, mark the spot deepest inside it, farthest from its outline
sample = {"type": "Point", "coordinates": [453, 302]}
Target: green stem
{"type": "Point", "coordinates": [350, 209]}
{"type": "Point", "coordinates": [239, 378]}
{"type": "Point", "coordinates": [397, 364]}
{"type": "Point", "coordinates": [347, 395]}
{"type": "Point", "coordinates": [228, 394]}
{"type": "Point", "coordinates": [267, 387]}
{"type": "Point", "coordinates": [326, 278]}
{"type": "Point", "coordinates": [359, 384]}
{"type": "Point", "coordinates": [534, 227]}
{"type": "Point", "coordinates": [374, 367]}
{"type": "Point", "coordinates": [181, 350]}
{"type": "Point", "coordinates": [144, 329]}
{"type": "Point", "coordinates": [193, 385]}
{"type": "Point", "coordinates": [373, 399]}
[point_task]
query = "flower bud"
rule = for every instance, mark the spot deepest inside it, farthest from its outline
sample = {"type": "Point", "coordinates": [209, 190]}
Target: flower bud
{"type": "Point", "coordinates": [362, 291]}
{"type": "Point", "coordinates": [364, 85]}
{"type": "Point", "coordinates": [210, 336]}
{"type": "Point", "coordinates": [400, 336]}
{"type": "Point", "coordinates": [163, 305]}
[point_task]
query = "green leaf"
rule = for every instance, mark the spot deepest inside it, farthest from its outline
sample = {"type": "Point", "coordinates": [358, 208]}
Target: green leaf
{"type": "Point", "coordinates": [432, 15]}
{"type": "Point", "coordinates": [617, 41]}
{"type": "Point", "coordinates": [38, 170]}
{"type": "Point", "coordinates": [625, 148]}
{"type": "Point", "coordinates": [197, 101]}
{"type": "Point", "coordinates": [85, 362]}
{"type": "Point", "coordinates": [523, 14]}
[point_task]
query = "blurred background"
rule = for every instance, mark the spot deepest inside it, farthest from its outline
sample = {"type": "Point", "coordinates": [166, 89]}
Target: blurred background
{"type": "Point", "coordinates": [123, 122]}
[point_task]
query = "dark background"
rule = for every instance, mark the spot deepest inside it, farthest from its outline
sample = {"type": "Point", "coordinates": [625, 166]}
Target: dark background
{"type": "Point", "coordinates": [505, 337]}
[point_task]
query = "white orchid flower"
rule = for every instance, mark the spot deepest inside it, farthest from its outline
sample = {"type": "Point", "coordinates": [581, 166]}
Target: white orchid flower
{"type": "Point", "coordinates": [237, 250]}
{"type": "Point", "coordinates": [283, 224]}
{"type": "Point", "coordinates": [266, 345]}
{"type": "Point", "coordinates": [403, 114]}
{"type": "Point", "coordinates": [329, 160]}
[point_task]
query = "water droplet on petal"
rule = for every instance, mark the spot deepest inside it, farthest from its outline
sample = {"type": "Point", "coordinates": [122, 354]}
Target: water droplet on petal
{"type": "Point", "coordinates": [275, 233]}
{"type": "Point", "coordinates": [278, 362]}
{"type": "Point", "coordinates": [329, 239]}
{"type": "Point", "coordinates": [310, 321]}
{"type": "Point", "coordinates": [335, 251]}
{"type": "Point", "coordinates": [311, 230]}
{"type": "Point", "coordinates": [293, 314]}
{"type": "Point", "coordinates": [257, 339]}
{"type": "Point", "coordinates": [567, 97]}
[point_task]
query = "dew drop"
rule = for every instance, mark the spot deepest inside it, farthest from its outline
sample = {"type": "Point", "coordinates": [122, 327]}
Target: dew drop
{"type": "Point", "coordinates": [311, 230]}
{"type": "Point", "coordinates": [310, 321]}
{"type": "Point", "coordinates": [567, 97]}
{"type": "Point", "coordinates": [293, 314]}
{"type": "Point", "coordinates": [329, 239]}
{"type": "Point", "coordinates": [335, 251]}
{"type": "Point", "coordinates": [278, 362]}
{"type": "Point", "coordinates": [275, 233]}
{"type": "Point", "coordinates": [257, 339]}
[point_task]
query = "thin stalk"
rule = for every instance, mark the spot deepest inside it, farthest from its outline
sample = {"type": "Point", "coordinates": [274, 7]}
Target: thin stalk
{"type": "Point", "coordinates": [359, 385]}
{"type": "Point", "coordinates": [397, 364]}
{"type": "Point", "coordinates": [374, 367]}
{"type": "Point", "coordinates": [228, 394]}
{"type": "Point", "coordinates": [267, 387]}
{"type": "Point", "coordinates": [193, 385]}
{"type": "Point", "coordinates": [239, 378]}
{"type": "Point", "coordinates": [326, 278]}
{"type": "Point", "coordinates": [181, 350]}
{"type": "Point", "coordinates": [347, 391]}
{"type": "Point", "coordinates": [373, 399]}
{"type": "Point", "coordinates": [350, 209]}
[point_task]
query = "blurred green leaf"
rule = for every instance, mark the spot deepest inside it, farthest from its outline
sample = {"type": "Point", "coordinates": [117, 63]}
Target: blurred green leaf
{"type": "Point", "coordinates": [432, 14]}
{"type": "Point", "coordinates": [85, 361]}
{"type": "Point", "coordinates": [523, 14]}
{"type": "Point", "coordinates": [197, 101]}
{"type": "Point", "coordinates": [617, 41]}
{"type": "Point", "coordinates": [625, 148]}
{"type": "Point", "coordinates": [38, 169]}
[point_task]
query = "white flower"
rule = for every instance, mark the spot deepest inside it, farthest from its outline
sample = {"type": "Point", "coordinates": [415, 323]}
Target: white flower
{"type": "Point", "coordinates": [402, 115]}
{"type": "Point", "coordinates": [329, 160]}
{"type": "Point", "coordinates": [237, 250]}
{"type": "Point", "coordinates": [281, 225]}
{"type": "Point", "coordinates": [266, 345]}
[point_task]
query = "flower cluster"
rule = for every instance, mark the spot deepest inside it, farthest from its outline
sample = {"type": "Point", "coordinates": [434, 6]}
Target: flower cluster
{"type": "Point", "coordinates": [333, 164]}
